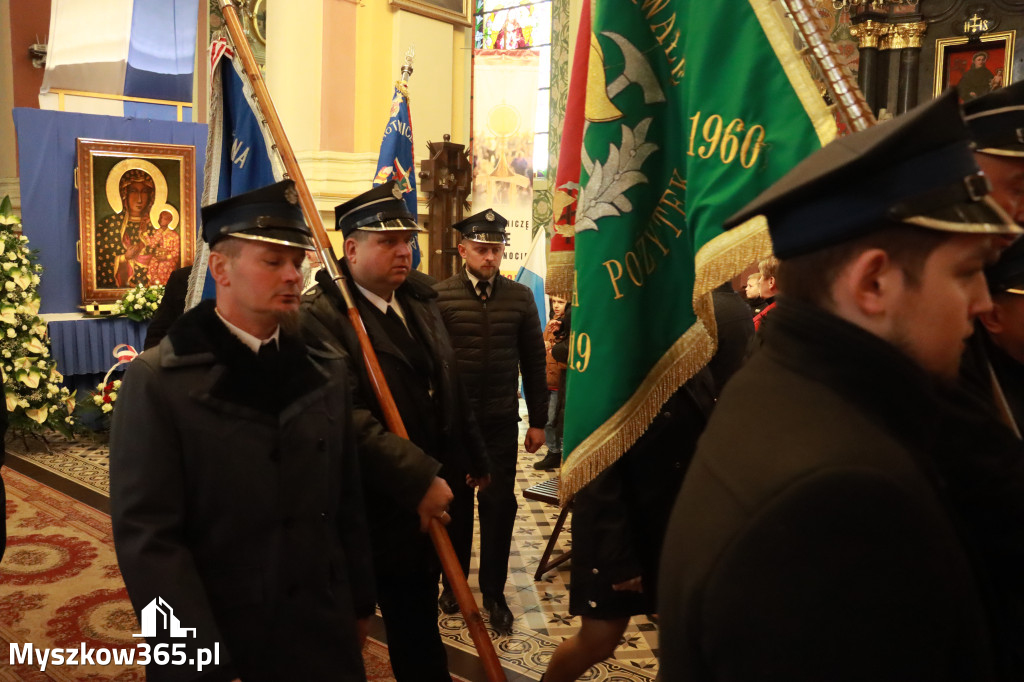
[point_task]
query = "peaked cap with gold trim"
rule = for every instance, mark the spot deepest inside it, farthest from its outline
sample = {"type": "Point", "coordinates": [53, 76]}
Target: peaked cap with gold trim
{"type": "Point", "coordinates": [268, 214]}
{"type": "Point", "coordinates": [917, 168]}
{"type": "Point", "coordinates": [381, 209]}
{"type": "Point", "coordinates": [996, 121]}
{"type": "Point", "coordinates": [486, 227]}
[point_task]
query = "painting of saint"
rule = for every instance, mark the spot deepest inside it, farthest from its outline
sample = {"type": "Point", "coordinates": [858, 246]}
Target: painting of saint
{"type": "Point", "coordinates": [137, 215]}
{"type": "Point", "coordinates": [974, 68]}
{"type": "Point", "coordinates": [163, 247]}
{"type": "Point", "coordinates": [977, 81]}
{"type": "Point", "coordinates": [120, 238]}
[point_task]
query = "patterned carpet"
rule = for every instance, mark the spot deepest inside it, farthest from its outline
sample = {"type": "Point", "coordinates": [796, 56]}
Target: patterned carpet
{"type": "Point", "coordinates": [59, 584]}
{"type": "Point", "coordinates": [540, 608]}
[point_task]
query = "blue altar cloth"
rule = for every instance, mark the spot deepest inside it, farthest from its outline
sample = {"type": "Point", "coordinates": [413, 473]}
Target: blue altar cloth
{"type": "Point", "coordinates": [84, 345]}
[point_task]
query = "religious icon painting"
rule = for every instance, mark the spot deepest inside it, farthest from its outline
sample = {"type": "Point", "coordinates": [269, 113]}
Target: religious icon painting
{"type": "Point", "coordinates": [974, 68]}
{"type": "Point", "coordinates": [136, 208]}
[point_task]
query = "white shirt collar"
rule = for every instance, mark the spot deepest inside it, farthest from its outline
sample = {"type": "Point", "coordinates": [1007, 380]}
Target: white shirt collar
{"type": "Point", "coordinates": [252, 343]}
{"type": "Point", "coordinates": [380, 303]}
{"type": "Point", "coordinates": [474, 280]}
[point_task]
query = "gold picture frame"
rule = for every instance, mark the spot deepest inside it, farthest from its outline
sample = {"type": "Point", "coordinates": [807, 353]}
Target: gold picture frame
{"type": "Point", "coordinates": [136, 210]}
{"type": "Point", "coordinates": [458, 12]}
{"type": "Point", "coordinates": [974, 68]}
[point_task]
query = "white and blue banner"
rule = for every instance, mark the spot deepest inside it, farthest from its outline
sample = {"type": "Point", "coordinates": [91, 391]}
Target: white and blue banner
{"type": "Point", "coordinates": [532, 274]}
{"type": "Point", "coordinates": [240, 150]}
{"type": "Point", "coordinates": [396, 160]}
{"type": "Point", "coordinates": [136, 48]}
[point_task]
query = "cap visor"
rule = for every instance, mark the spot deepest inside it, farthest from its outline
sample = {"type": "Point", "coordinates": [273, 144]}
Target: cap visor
{"type": "Point", "coordinates": [392, 224]}
{"type": "Point", "coordinates": [282, 237]}
{"type": "Point", "coordinates": [1016, 151]}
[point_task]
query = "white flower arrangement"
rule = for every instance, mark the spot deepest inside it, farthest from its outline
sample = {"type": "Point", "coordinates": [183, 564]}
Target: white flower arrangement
{"type": "Point", "coordinates": [140, 303]}
{"type": "Point", "coordinates": [35, 401]}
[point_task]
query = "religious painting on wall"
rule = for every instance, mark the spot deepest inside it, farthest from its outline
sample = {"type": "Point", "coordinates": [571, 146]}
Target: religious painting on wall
{"type": "Point", "coordinates": [974, 68]}
{"type": "Point", "coordinates": [136, 207]}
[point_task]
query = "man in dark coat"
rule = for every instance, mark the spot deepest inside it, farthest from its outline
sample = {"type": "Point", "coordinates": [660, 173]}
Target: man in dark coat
{"type": "Point", "coordinates": [171, 307]}
{"type": "Point", "coordinates": [407, 482]}
{"type": "Point", "coordinates": [994, 363]}
{"type": "Point", "coordinates": [735, 334]}
{"type": "Point", "coordinates": [495, 328]}
{"type": "Point", "coordinates": [837, 540]}
{"type": "Point", "coordinates": [235, 491]}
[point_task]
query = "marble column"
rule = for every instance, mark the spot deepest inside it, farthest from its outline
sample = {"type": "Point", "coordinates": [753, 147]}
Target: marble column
{"type": "Point", "coordinates": [869, 35]}
{"type": "Point", "coordinates": [906, 39]}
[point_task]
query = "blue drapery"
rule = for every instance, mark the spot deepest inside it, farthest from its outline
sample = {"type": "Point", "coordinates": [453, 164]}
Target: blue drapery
{"type": "Point", "coordinates": [49, 199]}
{"type": "Point", "coordinates": [85, 346]}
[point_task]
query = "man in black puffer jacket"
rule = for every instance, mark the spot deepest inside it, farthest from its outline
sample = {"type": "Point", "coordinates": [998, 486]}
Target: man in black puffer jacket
{"type": "Point", "coordinates": [496, 332]}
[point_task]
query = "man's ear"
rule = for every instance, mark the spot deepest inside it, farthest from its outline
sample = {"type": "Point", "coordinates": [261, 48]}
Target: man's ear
{"type": "Point", "coordinates": [350, 249]}
{"type": "Point", "coordinates": [218, 265]}
{"type": "Point", "coordinates": [993, 320]}
{"type": "Point", "coordinates": [866, 285]}
{"type": "Point", "coordinates": [462, 250]}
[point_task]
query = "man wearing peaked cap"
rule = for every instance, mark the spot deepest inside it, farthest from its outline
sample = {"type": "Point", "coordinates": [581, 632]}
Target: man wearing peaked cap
{"type": "Point", "coordinates": [1001, 335]}
{"type": "Point", "coordinates": [996, 122]}
{"type": "Point", "coordinates": [234, 497]}
{"type": "Point", "coordinates": [993, 362]}
{"type": "Point", "coordinates": [495, 328]}
{"type": "Point", "coordinates": [407, 482]}
{"type": "Point", "coordinates": [823, 546]}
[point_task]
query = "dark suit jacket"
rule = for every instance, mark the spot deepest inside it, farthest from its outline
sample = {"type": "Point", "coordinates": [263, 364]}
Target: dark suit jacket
{"type": "Point", "coordinates": [396, 471]}
{"type": "Point", "coordinates": [828, 543]}
{"type": "Point", "coordinates": [171, 307]}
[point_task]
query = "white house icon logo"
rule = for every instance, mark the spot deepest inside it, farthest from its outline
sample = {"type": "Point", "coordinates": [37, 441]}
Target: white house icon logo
{"type": "Point", "coordinates": [158, 615]}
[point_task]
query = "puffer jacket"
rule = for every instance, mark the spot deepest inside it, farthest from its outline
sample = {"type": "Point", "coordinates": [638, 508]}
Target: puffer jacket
{"type": "Point", "coordinates": [494, 341]}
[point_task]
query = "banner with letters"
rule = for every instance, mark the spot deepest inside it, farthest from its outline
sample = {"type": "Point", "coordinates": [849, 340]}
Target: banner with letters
{"type": "Point", "coordinates": [504, 112]}
{"type": "Point", "coordinates": [668, 152]}
{"type": "Point", "coordinates": [396, 160]}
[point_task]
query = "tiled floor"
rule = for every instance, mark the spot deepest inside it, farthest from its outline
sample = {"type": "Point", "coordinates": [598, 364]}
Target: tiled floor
{"type": "Point", "coordinates": [541, 609]}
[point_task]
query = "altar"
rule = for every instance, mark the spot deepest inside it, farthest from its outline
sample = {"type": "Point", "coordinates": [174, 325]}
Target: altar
{"type": "Point", "coordinates": [84, 345]}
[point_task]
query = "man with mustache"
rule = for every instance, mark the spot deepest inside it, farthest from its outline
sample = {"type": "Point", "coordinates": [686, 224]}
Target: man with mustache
{"type": "Point", "coordinates": [495, 327]}
{"type": "Point", "coordinates": [407, 482]}
{"type": "Point", "coordinates": [235, 492]}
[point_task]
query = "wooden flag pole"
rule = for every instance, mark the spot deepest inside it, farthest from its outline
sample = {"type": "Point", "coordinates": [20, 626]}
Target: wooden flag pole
{"type": "Point", "coordinates": [438, 534]}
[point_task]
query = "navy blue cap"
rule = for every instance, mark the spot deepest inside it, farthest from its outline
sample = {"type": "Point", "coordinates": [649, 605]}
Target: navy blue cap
{"type": "Point", "coordinates": [917, 168]}
{"type": "Point", "coordinates": [1007, 274]}
{"type": "Point", "coordinates": [268, 214]}
{"type": "Point", "coordinates": [996, 121]}
{"type": "Point", "coordinates": [487, 227]}
{"type": "Point", "coordinates": [380, 209]}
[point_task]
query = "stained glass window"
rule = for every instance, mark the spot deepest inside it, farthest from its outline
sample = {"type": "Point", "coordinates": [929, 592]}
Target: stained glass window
{"type": "Point", "coordinates": [521, 24]}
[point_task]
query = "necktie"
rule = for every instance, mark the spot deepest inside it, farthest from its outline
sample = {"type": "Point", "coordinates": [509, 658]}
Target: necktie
{"type": "Point", "coordinates": [481, 288]}
{"type": "Point", "coordinates": [268, 351]}
{"type": "Point", "coordinates": [393, 315]}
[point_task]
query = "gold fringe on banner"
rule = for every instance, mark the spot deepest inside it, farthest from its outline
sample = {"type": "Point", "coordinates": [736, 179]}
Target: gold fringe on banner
{"type": "Point", "coordinates": [718, 261]}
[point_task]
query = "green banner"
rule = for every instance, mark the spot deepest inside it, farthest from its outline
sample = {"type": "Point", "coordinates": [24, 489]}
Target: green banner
{"type": "Point", "coordinates": [692, 109]}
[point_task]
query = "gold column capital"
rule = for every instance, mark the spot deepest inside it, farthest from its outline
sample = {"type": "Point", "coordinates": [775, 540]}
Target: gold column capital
{"type": "Point", "coordinates": [904, 35]}
{"type": "Point", "coordinates": [868, 32]}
